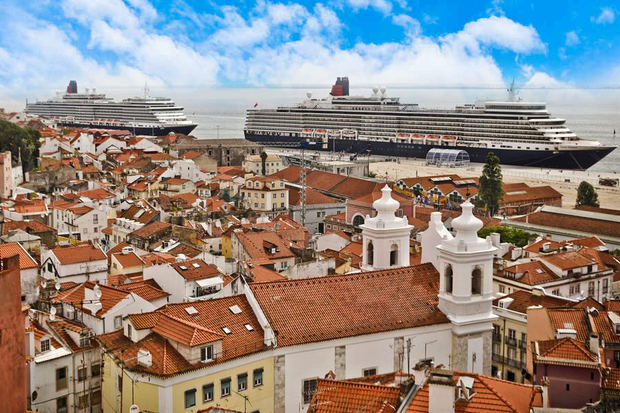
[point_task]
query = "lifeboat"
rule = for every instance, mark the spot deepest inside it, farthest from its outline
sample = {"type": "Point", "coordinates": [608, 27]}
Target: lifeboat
{"type": "Point", "coordinates": [320, 131]}
{"type": "Point", "coordinates": [431, 139]}
{"type": "Point", "coordinates": [348, 133]}
{"type": "Point", "coordinates": [403, 135]}
{"type": "Point", "coordinates": [334, 133]}
{"type": "Point", "coordinates": [449, 139]}
{"type": "Point", "coordinates": [418, 138]}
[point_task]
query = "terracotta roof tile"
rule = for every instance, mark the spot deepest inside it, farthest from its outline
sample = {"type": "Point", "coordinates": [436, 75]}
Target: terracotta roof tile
{"type": "Point", "coordinates": [259, 244]}
{"type": "Point", "coordinates": [489, 395]}
{"type": "Point", "coordinates": [334, 396]}
{"type": "Point", "coordinates": [75, 296]}
{"type": "Point", "coordinates": [14, 248]}
{"type": "Point", "coordinates": [524, 299]}
{"type": "Point", "coordinates": [78, 253]}
{"type": "Point", "coordinates": [564, 351]}
{"type": "Point", "coordinates": [568, 260]}
{"type": "Point", "coordinates": [151, 229]}
{"type": "Point", "coordinates": [350, 305]}
{"type": "Point", "coordinates": [573, 318]}
{"type": "Point", "coordinates": [581, 224]}
{"type": "Point", "coordinates": [195, 269]}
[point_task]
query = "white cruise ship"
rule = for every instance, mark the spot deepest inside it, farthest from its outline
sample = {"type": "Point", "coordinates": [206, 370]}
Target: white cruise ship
{"type": "Point", "coordinates": [153, 116]}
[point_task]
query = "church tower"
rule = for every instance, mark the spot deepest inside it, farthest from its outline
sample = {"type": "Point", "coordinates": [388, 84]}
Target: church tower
{"type": "Point", "coordinates": [385, 237]}
{"type": "Point", "coordinates": [465, 265]}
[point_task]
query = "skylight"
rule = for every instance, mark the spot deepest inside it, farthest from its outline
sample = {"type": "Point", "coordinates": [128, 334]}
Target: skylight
{"type": "Point", "coordinates": [235, 309]}
{"type": "Point", "coordinates": [183, 267]}
{"type": "Point", "coordinates": [191, 310]}
{"type": "Point", "coordinates": [249, 327]}
{"type": "Point", "coordinates": [195, 265]}
{"type": "Point", "coordinates": [539, 270]}
{"type": "Point", "coordinates": [226, 330]}
{"type": "Point", "coordinates": [569, 325]}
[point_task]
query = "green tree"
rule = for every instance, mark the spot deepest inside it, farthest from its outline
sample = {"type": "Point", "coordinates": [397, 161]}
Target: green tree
{"type": "Point", "coordinates": [24, 141]}
{"type": "Point", "coordinates": [490, 192]}
{"type": "Point", "coordinates": [263, 162]}
{"type": "Point", "coordinates": [586, 195]}
{"type": "Point", "coordinates": [509, 234]}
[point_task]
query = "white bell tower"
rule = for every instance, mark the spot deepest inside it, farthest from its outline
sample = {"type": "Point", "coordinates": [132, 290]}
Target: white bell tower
{"type": "Point", "coordinates": [465, 268]}
{"type": "Point", "coordinates": [385, 237]}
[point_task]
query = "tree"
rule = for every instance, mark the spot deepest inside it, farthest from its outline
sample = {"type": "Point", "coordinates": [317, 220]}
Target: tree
{"type": "Point", "coordinates": [586, 195]}
{"type": "Point", "coordinates": [512, 235]}
{"type": "Point", "coordinates": [20, 141]}
{"type": "Point", "coordinates": [263, 159]}
{"type": "Point", "coordinates": [490, 192]}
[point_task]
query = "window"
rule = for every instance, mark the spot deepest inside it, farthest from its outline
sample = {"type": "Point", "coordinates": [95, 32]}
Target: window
{"type": "Point", "coordinates": [242, 382]}
{"type": "Point", "coordinates": [394, 255]}
{"type": "Point", "coordinates": [502, 288]}
{"type": "Point", "coordinates": [448, 278]}
{"type": "Point", "coordinates": [190, 398]}
{"type": "Point", "coordinates": [512, 333]}
{"type": "Point", "coordinates": [225, 387]}
{"type": "Point", "coordinates": [45, 345]}
{"type": "Point", "coordinates": [82, 373]}
{"type": "Point", "coordinates": [83, 401]}
{"type": "Point", "coordinates": [476, 281]}
{"type": "Point", "coordinates": [207, 392]}
{"type": "Point", "coordinates": [129, 330]}
{"type": "Point", "coordinates": [308, 390]}
{"type": "Point", "coordinates": [370, 253]}
{"type": "Point", "coordinates": [567, 386]}
{"type": "Point", "coordinates": [591, 288]}
{"type": "Point", "coordinates": [372, 371]}
{"type": "Point", "coordinates": [84, 340]}
{"type": "Point", "coordinates": [95, 219]}
{"type": "Point", "coordinates": [95, 397]}
{"type": "Point", "coordinates": [281, 194]}
{"type": "Point", "coordinates": [95, 370]}
{"type": "Point", "coordinates": [61, 378]}
{"type": "Point", "coordinates": [258, 377]}
{"type": "Point", "coordinates": [556, 292]}
{"type": "Point", "coordinates": [605, 285]}
{"type": "Point", "coordinates": [119, 383]}
{"type": "Point", "coordinates": [118, 321]}
{"type": "Point", "coordinates": [61, 405]}
{"type": "Point", "coordinates": [206, 354]}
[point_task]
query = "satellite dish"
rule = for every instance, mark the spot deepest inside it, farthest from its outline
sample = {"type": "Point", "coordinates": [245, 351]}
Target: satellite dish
{"type": "Point", "coordinates": [44, 284]}
{"type": "Point", "coordinates": [134, 408]}
{"type": "Point", "coordinates": [57, 286]}
{"type": "Point", "coordinates": [97, 291]}
{"type": "Point", "coordinates": [53, 311]}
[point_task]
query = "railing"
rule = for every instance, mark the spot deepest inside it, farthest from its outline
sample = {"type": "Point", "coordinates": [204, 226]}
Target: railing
{"type": "Point", "coordinates": [508, 361]}
{"type": "Point", "coordinates": [522, 344]}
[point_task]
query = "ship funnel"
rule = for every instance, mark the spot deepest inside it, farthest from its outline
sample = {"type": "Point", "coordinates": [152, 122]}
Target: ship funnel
{"type": "Point", "coordinates": [375, 90]}
{"type": "Point", "coordinates": [309, 95]}
{"type": "Point", "coordinates": [72, 88]}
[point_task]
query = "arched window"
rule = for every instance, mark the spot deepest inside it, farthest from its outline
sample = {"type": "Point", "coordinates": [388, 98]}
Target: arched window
{"type": "Point", "coordinates": [394, 255]}
{"type": "Point", "coordinates": [448, 278]}
{"type": "Point", "coordinates": [358, 220]}
{"type": "Point", "coordinates": [476, 281]}
{"type": "Point", "coordinates": [370, 251]}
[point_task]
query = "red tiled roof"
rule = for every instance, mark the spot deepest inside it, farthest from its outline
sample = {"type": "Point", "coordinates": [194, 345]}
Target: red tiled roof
{"type": "Point", "coordinates": [145, 289]}
{"type": "Point", "coordinates": [128, 260]}
{"type": "Point", "coordinates": [524, 299]}
{"type": "Point", "coordinates": [611, 379]}
{"type": "Point", "coordinates": [334, 396]}
{"type": "Point", "coordinates": [530, 273]}
{"type": "Point", "coordinates": [14, 248]}
{"type": "Point", "coordinates": [313, 197]}
{"type": "Point", "coordinates": [489, 395]}
{"type": "Point", "coordinates": [195, 269]}
{"type": "Point", "coordinates": [254, 244]}
{"type": "Point", "coordinates": [184, 331]}
{"type": "Point", "coordinates": [564, 351]}
{"type": "Point", "coordinates": [569, 260]}
{"type": "Point", "coordinates": [349, 305]}
{"type": "Point", "coordinates": [98, 193]}
{"type": "Point", "coordinates": [573, 318]}
{"type": "Point", "coordinates": [30, 226]}
{"type": "Point", "coordinates": [75, 296]}
{"type": "Point", "coordinates": [151, 229]}
{"type": "Point", "coordinates": [78, 253]}
{"type": "Point", "coordinates": [581, 224]}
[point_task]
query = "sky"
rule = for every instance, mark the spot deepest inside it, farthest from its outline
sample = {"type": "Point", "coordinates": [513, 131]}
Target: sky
{"type": "Point", "coordinates": [186, 44]}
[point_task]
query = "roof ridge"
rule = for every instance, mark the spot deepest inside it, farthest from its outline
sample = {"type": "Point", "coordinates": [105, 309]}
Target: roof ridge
{"type": "Point", "coordinates": [492, 390]}
{"type": "Point", "coordinates": [572, 342]}
{"type": "Point", "coordinates": [193, 325]}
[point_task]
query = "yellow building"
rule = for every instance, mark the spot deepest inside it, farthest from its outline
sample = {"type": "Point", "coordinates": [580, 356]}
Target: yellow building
{"type": "Point", "coordinates": [188, 357]}
{"type": "Point", "coordinates": [509, 348]}
{"type": "Point", "coordinates": [264, 194]}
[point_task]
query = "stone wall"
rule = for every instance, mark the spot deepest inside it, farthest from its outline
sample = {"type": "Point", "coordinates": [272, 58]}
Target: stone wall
{"type": "Point", "coordinates": [279, 380]}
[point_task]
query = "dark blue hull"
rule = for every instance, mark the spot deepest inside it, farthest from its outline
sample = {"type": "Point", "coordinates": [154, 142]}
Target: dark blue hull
{"type": "Point", "coordinates": [148, 131]}
{"type": "Point", "coordinates": [577, 159]}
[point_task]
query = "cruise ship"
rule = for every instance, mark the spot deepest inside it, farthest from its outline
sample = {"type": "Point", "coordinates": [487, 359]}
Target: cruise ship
{"type": "Point", "coordinates": [518, 132]}
{"type": "Point", "coordinates": [153, 116]}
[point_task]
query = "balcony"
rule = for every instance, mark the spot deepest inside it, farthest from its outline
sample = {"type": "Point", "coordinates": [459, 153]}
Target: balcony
{"type": "Point", "coordinates": [497, 337]}
{"type": "Point", "coordinates": [511, 341]}
{"type": "Point", "coordinates": [522, 344]}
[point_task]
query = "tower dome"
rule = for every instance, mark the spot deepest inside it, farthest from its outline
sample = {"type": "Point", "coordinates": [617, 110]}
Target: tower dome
{"type": "Point", "coordinates": [467, 225]}
{"type": "Point", "coordinates": [386, 206]}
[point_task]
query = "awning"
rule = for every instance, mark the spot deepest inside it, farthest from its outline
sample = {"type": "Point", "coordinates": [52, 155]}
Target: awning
{"type": "Point", "coordinates": [210, 282]}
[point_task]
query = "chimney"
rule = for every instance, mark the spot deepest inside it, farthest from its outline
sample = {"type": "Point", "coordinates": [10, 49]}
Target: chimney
{"type": "Point", "coordinates": [495, 239]}
{"type": "Point", "coordinates": [441, 392]}
{"type": "Point", "coordinates": [593, 344]}
{"type": "Point", "coordinates": [144, 358]}
{"type": "Point", "coordinates": [544, 386]}
{"type": "Point", "coordinates": [546, 246]}
{"type": "Point", "coordinates": [538, 291]}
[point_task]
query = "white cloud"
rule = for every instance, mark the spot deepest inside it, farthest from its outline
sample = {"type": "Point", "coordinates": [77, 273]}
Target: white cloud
{"type": "Point", "coordinates": [572, 38]}
{"type": "Point", "coordinates": [278, 44]}
{"type": "Point", "coordinates": [607, 16]}
{"type": "Point", "coordinates": [543, 80]}
{"type": "Point", "coordinates": [383, 6]}
{"type": "Point", "coordinates": [498, 32]}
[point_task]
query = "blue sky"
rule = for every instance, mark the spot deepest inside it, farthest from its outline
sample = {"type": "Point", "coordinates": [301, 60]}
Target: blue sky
{"type": "Point", "coordinates": [186, 43]}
